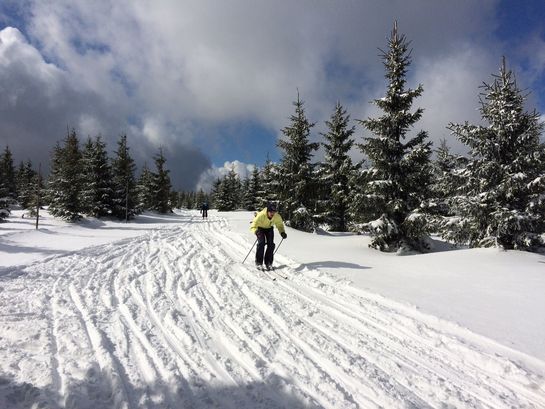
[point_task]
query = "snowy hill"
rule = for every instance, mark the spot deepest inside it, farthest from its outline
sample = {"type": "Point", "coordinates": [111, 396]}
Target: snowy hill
{"type": "Point", "coordinates": [162, 313]}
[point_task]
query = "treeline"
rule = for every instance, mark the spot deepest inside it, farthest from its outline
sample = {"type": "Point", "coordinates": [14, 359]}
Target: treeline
{"type": "Point", "coordinates": [495, 196]}
{"type": "Point", "coordinates": [84, 181]}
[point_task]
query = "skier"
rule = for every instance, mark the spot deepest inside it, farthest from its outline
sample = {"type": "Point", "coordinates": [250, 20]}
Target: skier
{"type": "Point", "coordinates": [262, 227]}
{"type": "Point", "coordinates": [204, 210]}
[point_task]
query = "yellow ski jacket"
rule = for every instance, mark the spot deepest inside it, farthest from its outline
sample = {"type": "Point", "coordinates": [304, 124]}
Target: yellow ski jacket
{"type": "Point", "coordinates": [262, 220]}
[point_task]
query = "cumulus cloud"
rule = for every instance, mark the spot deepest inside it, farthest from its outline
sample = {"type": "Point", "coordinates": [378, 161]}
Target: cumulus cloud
{"type": "Point", "coordinates": [208, 177]}
{"type": "Point", "coordinates": [165, 73]}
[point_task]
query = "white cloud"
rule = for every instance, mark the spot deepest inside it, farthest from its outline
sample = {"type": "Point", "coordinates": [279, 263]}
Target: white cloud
{"type": "Point", "coordinates": [163, 72]}
{"type": "Point", "coordinates": [208, 177]}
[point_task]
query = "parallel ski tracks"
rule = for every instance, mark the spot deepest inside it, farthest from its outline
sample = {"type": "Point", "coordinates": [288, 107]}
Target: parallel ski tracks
{"type": "Point", "coordinates": [169, 318]}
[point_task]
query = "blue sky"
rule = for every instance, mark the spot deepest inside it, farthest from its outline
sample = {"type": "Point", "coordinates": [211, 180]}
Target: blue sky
{"type": "Point", "coordinates": [213, 82]}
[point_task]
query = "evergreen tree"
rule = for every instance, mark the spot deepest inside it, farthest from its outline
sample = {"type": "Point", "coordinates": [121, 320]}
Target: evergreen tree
{"type": "Point", "coordinates": [215, 193]}
{"type": "Point", "coordinates": [399, 177]}
{"type": "Point", "coordinates": [336, 171]}
{"type": "Point", "coordinates": [296, 171]}
{"type": "Point", "coordinates": [502, 200]}
{"type": "Point", "coordinates": [36, 199]}
{"type": "Point", "coordinates": [161, 185]}
{"type": "Point", "coordinates": [246, 199]}
{"type": "Point", "coordinates": [145, 189]}
{"type": "Point", "coordinates": [97, 192]}
{"type": "Point", "coordinates": [228, 196]}
{"type": "Point", "coordinates": [26, 184]}
{"type": "Point", "coordinates": [269, 187]}
{"type": "Point", "coordinates": [446, 180]}
{"type": "Point", "coordinates": [252, 193]}
{"type": "Point", "coordinates": [8, 183]}
{"type": "Point", "coordinates": [124, 191]}
{"type": "Point", "coordinates": [200, 198]}
{"type": "Point", "coordinates": [65, 181]}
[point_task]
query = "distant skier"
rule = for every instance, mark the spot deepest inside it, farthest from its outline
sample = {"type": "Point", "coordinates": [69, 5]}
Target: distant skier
{"type": "Point", "coordinates": [262, 227]}
{"type": "Point", "coordinates": [204, 210]}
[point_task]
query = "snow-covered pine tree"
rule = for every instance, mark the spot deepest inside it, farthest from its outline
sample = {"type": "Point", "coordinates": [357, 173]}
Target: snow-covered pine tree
{"type": "Point", "coordinates": [65, 180]}
{"type": "Point", "coordinates": [502, 200]}
{"type": "Point", "coordinates": [246, 199]}
{"type": "Point", "coordinates": [161, 185]}
{"type": "Point", "coordinates": [269, 187]}
{"type": "Point", "coordinates": [8, 185]}
{"type": "Point", "coordinates": [252, 195]}
{"type": "Point", "coordinates": [446, 180]}
{"type": "Point", "coordinates": [336, 170]}
{"type": "Point", "coordinates": [400, 173]}
{"type": "Point", "coordinates": [296, 171]}
{"type": "Point", "coordinates": [36, 199]}
{"type": "Point", "coordinates": [97, 191]}
{"type": "Point", "coordinates": [229, 193]}
{"type": "Point", "coordinates": [124, 192]}
{"type": "Point", "coordinates": [26, 184]}
{"type": "Point", "coordinates": [200, 198]}
{"type": "Point", "coordinates": [215, 193]}
{"type": "Point", "coordinates": [7, 174]}
{"type": "Point", "coordinates": [145, 190]}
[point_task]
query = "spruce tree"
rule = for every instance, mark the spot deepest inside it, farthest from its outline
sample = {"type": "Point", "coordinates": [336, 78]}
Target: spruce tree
{"type": "Point", "coordinates": [161, 185]}
{"type": "Point", "coordinates": [65, 181]}
{"type": "Point", "coordinates": [336, 170]}
{"type": "Point", "coordinates": [215, 192]}
{"type": "Point", "coordinates": [124, 192]}
{"type": "Point", "coordinates": [397, 183]}
{"type": "Point", "coordinates": [97, 192]}
{"type": "Point", "coordinates": [228, 197]}
{"type": "Point", "coordinates": [8, 182]}
{"type": "Point", "coordinates": [252, 193]}
{"type": "Point", "coordinates": [296, 171]}
{"type": "Point", "coordinates": [502, 200]}
{"type": "Point", "coordinates": [269, 186]}
{"type": "Point", "coordinates": [145, 189]}
{"type": "Point", "coordinates": [200, 198]}
{"type": "Point", "coordinates": [446, 180]}
{"type": "Point", "coordinates": [26, 180]}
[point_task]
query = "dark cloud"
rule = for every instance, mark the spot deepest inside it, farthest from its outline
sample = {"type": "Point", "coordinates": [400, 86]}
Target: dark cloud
{"type": "Point", "coordinates": [163, 73]}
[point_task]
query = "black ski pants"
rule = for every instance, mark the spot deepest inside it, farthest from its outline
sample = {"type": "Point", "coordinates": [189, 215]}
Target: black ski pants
{"type": "Point", "coordinates": [265, 237]}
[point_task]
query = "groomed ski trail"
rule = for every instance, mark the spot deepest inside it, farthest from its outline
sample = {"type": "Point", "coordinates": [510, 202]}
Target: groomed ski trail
{"type": "Point", "coordinates": [172, 319]}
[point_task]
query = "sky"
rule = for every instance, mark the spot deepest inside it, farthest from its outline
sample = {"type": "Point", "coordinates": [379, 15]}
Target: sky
{"type": "Point", "coordinates": [213, 83]}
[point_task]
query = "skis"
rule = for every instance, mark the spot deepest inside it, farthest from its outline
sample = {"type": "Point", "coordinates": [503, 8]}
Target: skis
{"type": "Point", "coordinates": [272, 273]}
{"type": "Point", "coordinates": [266, 272]}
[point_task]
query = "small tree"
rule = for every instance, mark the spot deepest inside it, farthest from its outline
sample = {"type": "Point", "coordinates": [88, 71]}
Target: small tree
{"type": "Point", "coordinates": [145, 189]}
{"type": "Point", "coordinates": [502, 200]}
{"type": "Point", "coordinates": [26, 179]}
{"type": "Point", "coordinates": [397, 183]}
{"type": "Point", "coordinates": [296, 171]}
{"type": "Point", "coordinates": [269, 187]}
{"type": "Point", "coordinates": [161, 185]}
{"type": "Point", "coordinates": [337, 169]}
{"type": "Point", "coordinates": [97, 192]}
{"type": "Point", "coordinates": [124, 192]}
{"type": "Point", "coordinates": [229, 192]}
{"type": "Point", "coordinates": [65, 180]}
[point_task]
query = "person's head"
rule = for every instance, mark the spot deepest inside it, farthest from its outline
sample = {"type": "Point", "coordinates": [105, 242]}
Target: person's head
{"type": "Point", "coordinates": [271, 209]}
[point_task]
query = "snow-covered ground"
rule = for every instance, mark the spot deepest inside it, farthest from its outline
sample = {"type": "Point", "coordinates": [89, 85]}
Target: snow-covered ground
{"type": "Point", "coordinates": [161, 313]}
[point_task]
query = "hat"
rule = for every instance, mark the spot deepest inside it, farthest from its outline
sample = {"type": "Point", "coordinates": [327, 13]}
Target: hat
{"type": "Point", "coordinates": [271, 207]}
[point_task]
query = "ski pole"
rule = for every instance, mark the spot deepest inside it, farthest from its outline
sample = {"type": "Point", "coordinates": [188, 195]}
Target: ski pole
{"type": "Point", "coordinates": [279, 244]}
{"type": "Point", "coordinates": [249, 252]}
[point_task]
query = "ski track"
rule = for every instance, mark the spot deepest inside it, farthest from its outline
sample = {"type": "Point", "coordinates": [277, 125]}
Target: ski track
{"type": "Point", "coordinates": [172, 319]}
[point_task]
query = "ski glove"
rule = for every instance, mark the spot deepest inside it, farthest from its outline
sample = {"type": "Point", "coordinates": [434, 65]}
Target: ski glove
{"type": "Point", "coordinates": [284, 235]}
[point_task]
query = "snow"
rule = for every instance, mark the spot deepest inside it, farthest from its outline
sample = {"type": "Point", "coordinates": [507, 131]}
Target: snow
{"type": "Point", "coordinates": [161, 313]}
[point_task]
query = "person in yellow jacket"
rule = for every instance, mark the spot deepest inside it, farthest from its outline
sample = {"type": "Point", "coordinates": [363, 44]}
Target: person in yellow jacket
{"type": "Point", "coordinates": [262, 227]}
